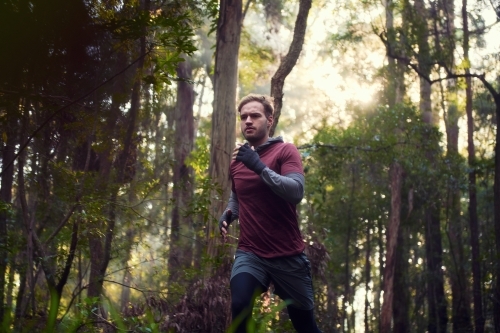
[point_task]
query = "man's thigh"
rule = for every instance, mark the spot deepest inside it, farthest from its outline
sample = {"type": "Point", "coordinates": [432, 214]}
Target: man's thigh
{"type": "Point", "coordinates": [246, 262]}
{"type": "Point", "coordinates": [292, 280]}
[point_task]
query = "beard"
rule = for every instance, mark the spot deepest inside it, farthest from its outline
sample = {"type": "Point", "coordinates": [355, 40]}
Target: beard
{"type": "Point", "coordinates": [255, 135]}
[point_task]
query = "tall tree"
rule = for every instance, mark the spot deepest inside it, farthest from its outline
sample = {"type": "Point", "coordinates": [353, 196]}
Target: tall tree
{"type": "Point", "coordinates": [435, 283]}
{"type": "Point", "coordinates": [8, 150]}
{"type": "Point", "coordinates": [444, 32]}
{"type": "Point", "coordinates": [224, 111]}
{"type": "Point", "coordinates": [471, 158]}
{"type": "Point", "coordinates": [182, 234]}
{"type": "Point", "coordinates": [395, 93]}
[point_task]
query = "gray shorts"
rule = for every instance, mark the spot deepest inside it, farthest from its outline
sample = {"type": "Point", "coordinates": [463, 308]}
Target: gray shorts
{"type": "Point", "coordinates": [291, 276]}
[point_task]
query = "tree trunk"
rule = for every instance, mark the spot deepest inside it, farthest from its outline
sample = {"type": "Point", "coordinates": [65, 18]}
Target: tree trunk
{"type": "Point", "coordinates": [396, 179]}
{"type": "Point", "coordinates": [8, 150]}
{"type": "Point", "coordinates": [435, 283]}
{"type": "Point", "coordinates": [368, 268]}
{"type": "Point", "coordinates": [181, 248]}
{"type": "Point", "coordinates": [479, 319]}
{"type": "Point", "coordinates": [496, 195]}
{"type": "Point", "coordinates": [381, 257]}
{"type": "Point", "coordinates": [127, 275]}
{"type": "Point", "coordinates": [21, 298]}
{"type": "Point", "coordinates": [224, 112]}
{"type": "Point", "coordinates": [438, 318]}
{"type": "Point", "coordinates": [395, 93]}
{"type": "Point", "coordinates": [401, 298]}
{"type": "Point", "coordinates": [458, 280]}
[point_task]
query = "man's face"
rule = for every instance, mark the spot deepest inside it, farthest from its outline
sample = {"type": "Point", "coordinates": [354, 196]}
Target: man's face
{"type": "Point", "coordinates": [254, 124]}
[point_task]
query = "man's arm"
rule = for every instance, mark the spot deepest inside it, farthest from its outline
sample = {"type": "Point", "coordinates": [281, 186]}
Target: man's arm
{"type": "Point", "coordinates": [289, 187]}
{"type": "Point", "coordinates": [233, 207]}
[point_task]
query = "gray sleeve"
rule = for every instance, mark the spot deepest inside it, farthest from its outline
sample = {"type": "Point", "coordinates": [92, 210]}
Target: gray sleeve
{"type": "Point", "coordinates": [234, 205]}
{"type": "Point", "coordinates": [289, 187]}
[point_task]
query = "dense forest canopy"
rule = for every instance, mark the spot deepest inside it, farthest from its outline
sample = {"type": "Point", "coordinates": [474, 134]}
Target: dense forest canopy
{"type": "Point", "coordinates": [116, 118]}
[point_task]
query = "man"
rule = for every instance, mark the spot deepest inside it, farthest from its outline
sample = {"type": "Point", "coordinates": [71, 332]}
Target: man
{"type": "Point", "coordinates": [267, 184]}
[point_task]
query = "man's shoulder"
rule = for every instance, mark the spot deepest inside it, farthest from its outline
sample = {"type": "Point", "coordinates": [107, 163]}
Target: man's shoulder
{"type": "Point", "coordinates": [282, 144]}
{"type": "Point", "coordinates": [288, 147]}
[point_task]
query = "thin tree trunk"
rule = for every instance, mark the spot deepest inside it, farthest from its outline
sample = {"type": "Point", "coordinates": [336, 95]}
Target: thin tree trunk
{"type": "Point", "coordinates": [459, 286]}
{"type": "Point", "coordinates": [395, 92]}
{"type": "Point", "coordinates": [182, 233]}
{"type": "Point", "coordinates": [396, 180]}
{"type": "Point", "coordinates": [347, 271]}
{"type": "Point", "coordinates": [224, 112]}
{"type": "Point", "coordinates": [438, 318]}
{"type": "Point", "coordinates": [457, 274]}
{"type": "Point", "coordinates": [21, 299]}
{"type": "Point", "coordinates": [368, 268]}
{"type": "Point", "coordinates": [381, 256]}
{"type": "Point", "coordinates": [8, 150]}
{"type": "Point", "coordinates": [479, 319]}
{"type": "Point", "coordinates": [496, 195]}
{"type": "Point", "coordinates": [401, 298]}
{"type": "Point", "coordinates": [10, 286]}
{"type": "Point", "coordinates": [129, 241]}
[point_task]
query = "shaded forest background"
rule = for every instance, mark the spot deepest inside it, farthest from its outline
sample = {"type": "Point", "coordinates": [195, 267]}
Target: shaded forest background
{"type": "Point", "coordinates": [117, 119]}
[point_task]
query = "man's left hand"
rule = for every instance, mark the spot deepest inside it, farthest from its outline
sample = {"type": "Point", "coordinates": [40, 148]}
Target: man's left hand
{"type": "Point", "coordinates": [250, 158]}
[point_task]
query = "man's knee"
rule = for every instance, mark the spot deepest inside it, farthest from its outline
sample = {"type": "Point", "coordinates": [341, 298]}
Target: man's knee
{"type": "Point", "coordinates": [239, 304]}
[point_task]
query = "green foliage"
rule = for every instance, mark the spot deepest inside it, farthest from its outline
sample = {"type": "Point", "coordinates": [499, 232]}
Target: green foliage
{"type": "Point", "coordinates": [266, 316]}
{"type": "Point", "coordinates": [269, 317]}
{"type": "Point", "coordinates": [212, 13]}
{"type": "Point", "coordinates": [347, 191]}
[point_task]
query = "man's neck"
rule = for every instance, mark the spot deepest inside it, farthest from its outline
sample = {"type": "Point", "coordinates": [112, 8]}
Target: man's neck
{"type": "Point", "coordinates": [258, 143]}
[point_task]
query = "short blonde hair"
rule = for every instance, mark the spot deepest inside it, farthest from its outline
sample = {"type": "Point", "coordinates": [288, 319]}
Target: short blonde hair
{"type": "Point", "coordinates": [265, 100]}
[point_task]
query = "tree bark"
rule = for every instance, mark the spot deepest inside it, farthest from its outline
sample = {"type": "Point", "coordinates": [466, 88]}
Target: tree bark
{"type": "Point", "coordinates": [347, 270]}
{"type": "Point", "coordinates": [496, 195]}
{"type": "Point", "coordinates": [8, 150]}
{"type": "Point", "coordinates": [479, 319]}
{"type": "Point", "coordinates": [182, 233]}
{"type": "Point", "coordinates": [435, 283]}
{"type": "Point", "coordinates": [396, 179]}
{"type": "Point", "coordinates": [445, 45]}
{"type": "Point", "coordinates": [224, 112]}
{"type": "Point", "coordinates": [395, 93]}
{"type": "Point", "coordinates": [289, 61]}
{"type": "Point", "coordinates": [368, 268]}
{"type": "Point", "coordinates": [401, 298]}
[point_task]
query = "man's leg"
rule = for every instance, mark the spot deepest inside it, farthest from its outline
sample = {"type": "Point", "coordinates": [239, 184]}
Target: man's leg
{"type": "Point", "coordinates": [244, 289]}
{"type": "Point", "coordinates": [303, 320]}
{"type": "Point", "coordinates": [293, 283]}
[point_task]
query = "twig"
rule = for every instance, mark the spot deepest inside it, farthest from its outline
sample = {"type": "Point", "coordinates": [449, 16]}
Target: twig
{"type": "Point", "coordinates": [21, 149]}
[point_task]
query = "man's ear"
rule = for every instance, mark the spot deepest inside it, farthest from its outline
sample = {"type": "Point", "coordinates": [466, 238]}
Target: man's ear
{"type": "Point", "coordinates": [270, 121]}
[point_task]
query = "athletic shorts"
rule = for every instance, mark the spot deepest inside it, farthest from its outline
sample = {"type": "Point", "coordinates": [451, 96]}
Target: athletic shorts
{"type": "Point", "coordinates": [290, 275]}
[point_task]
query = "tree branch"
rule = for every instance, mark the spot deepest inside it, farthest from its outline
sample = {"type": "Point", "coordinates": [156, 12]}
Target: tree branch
{"type": "Point", "coordinates": [85, 95]}
{"type": "Point", "coordinates": [449, 73]}
{"type": "Point", "coordinates": [289, 61]}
